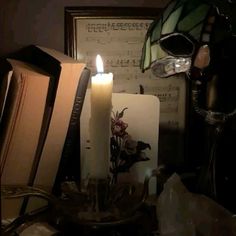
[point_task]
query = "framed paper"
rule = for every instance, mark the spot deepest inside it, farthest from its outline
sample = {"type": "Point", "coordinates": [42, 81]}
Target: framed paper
{"type": "Point", "coordinates": [118, 34]}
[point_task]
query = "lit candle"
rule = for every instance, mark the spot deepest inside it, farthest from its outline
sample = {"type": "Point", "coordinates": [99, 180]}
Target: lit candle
{"type": "Point", "coordinates": [101, 104]}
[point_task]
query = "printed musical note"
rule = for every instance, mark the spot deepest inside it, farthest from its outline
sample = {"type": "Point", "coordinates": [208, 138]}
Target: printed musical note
{"type": "Point", "coordinates": [111, 26]}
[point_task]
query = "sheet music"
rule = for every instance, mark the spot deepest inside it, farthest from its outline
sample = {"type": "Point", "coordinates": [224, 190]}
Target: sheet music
{"type": "Point", "coordinates": [120, 42]}
{"type": "Point", "coordinates": [172, 95]}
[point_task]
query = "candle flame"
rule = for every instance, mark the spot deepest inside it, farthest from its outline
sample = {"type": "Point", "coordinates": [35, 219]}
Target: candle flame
{"type": "Point", "coordinates": [99, 64]}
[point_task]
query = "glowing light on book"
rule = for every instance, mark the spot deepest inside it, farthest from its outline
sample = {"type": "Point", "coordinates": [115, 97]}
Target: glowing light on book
{"type": "Point", "coordinates": [101, 104]}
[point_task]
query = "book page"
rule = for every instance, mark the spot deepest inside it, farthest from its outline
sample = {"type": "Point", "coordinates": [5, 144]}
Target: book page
{"type": "Point", "coordinates": [5, 83]}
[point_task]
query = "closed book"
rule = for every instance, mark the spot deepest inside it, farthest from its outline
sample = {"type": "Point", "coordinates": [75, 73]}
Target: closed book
{"type": "Point", "coordinates": [66, 72]}
{"type": "Point", "coordinates": [22, 123]}
{"type": "Point", "coordinates": [68, 81]}
{"type": "Point", "coordinates": [69, 168]}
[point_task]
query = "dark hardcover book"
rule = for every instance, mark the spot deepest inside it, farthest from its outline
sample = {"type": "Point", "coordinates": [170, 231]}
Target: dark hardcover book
{"type": "Point", "coordinates": [69, 167]}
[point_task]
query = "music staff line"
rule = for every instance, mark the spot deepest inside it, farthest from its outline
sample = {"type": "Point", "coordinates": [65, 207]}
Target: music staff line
{"type": "Point", "coordinates": [116, 26]}
{"type": "Point", "coordinates": [112, 53]}
{"type": "Point", "coordinates": [135, 62]}
{"type": "Point", "coordinates": [109, 40]}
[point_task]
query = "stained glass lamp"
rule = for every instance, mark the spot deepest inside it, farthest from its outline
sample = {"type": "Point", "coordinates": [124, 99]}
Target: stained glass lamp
{"type": "Point", "coordinates": [173, 40]}
{"type": "Point", "coordinates": [195, 38]}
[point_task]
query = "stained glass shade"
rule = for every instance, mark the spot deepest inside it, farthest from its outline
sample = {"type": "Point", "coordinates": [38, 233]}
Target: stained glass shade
{"type": "Point", "coordinates": [183, 24]}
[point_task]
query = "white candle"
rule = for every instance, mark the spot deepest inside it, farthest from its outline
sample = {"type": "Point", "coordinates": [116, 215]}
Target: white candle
{"type": "Point", "coordinates": [101, 104]}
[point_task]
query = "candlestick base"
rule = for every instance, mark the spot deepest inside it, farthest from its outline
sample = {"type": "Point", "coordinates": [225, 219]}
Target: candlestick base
{"type": "Point", "coordinates": [97, 204]}
{"type": "Point", "coordinates": [101, 203]}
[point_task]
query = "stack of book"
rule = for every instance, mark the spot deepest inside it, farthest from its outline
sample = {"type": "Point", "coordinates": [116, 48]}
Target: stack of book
{"type": "Point", "coordinates": [41, 97]}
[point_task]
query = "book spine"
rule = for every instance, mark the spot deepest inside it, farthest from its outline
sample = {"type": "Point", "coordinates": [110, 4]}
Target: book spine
{"type": "Point", "coordinates": [69, 167]}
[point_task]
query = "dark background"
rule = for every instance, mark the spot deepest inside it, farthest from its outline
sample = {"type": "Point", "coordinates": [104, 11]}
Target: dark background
{"type": "Point", "coordinates": [41, 22]}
